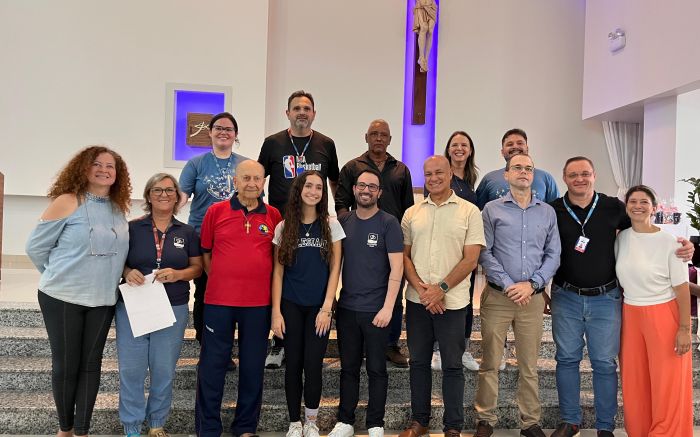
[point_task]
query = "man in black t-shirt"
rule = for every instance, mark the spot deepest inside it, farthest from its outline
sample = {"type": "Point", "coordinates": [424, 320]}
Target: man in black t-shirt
{"type": "Point", "coordinates": [285, 155]}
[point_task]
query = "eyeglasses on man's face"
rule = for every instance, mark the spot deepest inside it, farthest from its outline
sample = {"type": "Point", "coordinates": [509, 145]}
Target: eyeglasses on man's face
{"type": "Point", "coordinates": [371, 187]}
{"type": "Point", "coordinates": [520, 168]}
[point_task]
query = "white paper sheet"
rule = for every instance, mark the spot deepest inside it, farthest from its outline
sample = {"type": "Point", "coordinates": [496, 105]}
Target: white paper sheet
{"type": "Point", "coordinates": [147, 306]}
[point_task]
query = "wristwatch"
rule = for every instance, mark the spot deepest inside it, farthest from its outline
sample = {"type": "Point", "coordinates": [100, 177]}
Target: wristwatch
{"type": "Point", "coordinates": [444, 287]}
{"type": "Point", "coordinates": [535, 285]}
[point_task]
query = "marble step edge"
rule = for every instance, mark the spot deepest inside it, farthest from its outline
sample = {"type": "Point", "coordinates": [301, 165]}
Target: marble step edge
{"type": "Point", "coordinates": [23, 413]}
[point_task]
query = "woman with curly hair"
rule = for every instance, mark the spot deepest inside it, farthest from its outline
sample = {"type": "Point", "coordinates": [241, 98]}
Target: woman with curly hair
{"type": "Point", "coordinates": [79, 246]}
{"type": "Point", "coordinates": [304, 282]}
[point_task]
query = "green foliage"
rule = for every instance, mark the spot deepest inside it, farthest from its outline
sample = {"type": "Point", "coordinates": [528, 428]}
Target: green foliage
{"type": "Point", "coordinates": [694, 200]}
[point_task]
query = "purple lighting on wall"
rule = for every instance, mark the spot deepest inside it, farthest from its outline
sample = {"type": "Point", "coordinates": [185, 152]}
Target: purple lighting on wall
{"type": "Point", "coordinates": [192, 101]}
{"type": "Point", "coordinates": [418, 140]}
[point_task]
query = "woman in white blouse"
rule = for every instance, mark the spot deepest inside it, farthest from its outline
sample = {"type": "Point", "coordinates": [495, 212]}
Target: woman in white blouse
{"type": "Point", "coordinates": [654, 358]}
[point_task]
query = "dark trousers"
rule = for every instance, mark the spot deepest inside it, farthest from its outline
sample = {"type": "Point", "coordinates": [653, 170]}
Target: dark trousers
{"type": "Point", "coordinates": [470, 308]}
{"type": "Point", "coordinates": [220, 323]}
{"type": "Point", "coordinates": [304, 354]}
{"type": "Point", "coordinates": [77, 336]}
{"type": "Point", "coordinates": [355, 334]}
{"type": "Point", "coordinates": [397, 317]}
{"type": "Point", "coordinates": [422, 329]}
{"type": "Point", "coordinates": [200, 287]}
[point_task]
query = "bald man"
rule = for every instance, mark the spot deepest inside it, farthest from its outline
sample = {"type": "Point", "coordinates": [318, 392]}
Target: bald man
{"type": "Point", "coordinates": [237, 243]}
{"type": "Point", "coordinates": [397, 197]}
{"type": "Point", "coordinates": [442, 237]}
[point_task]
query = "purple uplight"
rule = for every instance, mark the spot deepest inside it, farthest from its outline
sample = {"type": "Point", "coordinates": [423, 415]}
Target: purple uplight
{"type": "Point", "coordinates": [418, 140]}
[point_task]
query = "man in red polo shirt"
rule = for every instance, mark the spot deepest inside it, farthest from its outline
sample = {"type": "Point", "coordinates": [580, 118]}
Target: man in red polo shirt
{"type": "Point", "coordinates": [236, 240]}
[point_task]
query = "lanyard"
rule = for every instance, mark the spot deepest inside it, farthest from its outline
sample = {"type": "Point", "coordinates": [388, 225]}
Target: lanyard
{"type": "Point", "coordinates": [160, 242]}
{"type": "Point", "coordinates": [228, 164]}
{"type": "Point", "coordinates": [306, 146]}
{"type": "Point", "coordinates": [590, 212]}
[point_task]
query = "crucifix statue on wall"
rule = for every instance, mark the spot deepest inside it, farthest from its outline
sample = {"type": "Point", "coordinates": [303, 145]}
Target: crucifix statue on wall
{"type": "Point", "coordinates": [424, 18]}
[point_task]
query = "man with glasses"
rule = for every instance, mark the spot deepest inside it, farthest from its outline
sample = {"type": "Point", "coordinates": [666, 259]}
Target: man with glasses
{"type": "Point", "coordinates": [237, 253]}
{"type": "Point", "coordinates": [285, 155]}
{"type": "Point", "coordinates": [372, 272]}
{"type": "Point", "coordinates": [442, 237]}
{"type": "Point", "coordinates": [397, 197]}
{"type": "Point", "coordinates": [521, 256]}
{"type": "Point", "coordinates": [586, 299]}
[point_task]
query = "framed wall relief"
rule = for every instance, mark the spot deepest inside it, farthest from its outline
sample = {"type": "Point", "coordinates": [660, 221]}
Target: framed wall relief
{"type": "Point", "coordinates": [188, 109]}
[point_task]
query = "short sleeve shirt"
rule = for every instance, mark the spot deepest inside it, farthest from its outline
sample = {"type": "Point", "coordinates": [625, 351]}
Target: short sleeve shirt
{"type": "Point", "coordinates": [366, 266]}
{"type": "Point", "coordinates": [181, 243]}
{"type": "Point", "coordinates": [240, 243]}
{"type": "Point", "coordinates": [437, 236]}
{"type": "Point", "coordinates": [281, 157]}
{"type": "Point", "coordinates": [305, 281]}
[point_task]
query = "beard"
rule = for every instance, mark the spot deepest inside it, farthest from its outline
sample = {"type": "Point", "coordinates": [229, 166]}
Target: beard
{"type": "Point", "coordinates": [302, 123]}
{"type": "Point", "coordinates": [361, 203]}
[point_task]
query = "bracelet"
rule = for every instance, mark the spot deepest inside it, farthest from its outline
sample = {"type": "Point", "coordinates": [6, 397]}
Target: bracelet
{"type": "Point", "coordinates": [330, 313]}
{"type": "Point", "coordinates": [395, 280]}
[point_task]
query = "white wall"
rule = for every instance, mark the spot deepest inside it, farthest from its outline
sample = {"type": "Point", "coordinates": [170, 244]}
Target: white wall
{"type": "Point", "coordinates": [659, 151]}
{"type": "Point", "coordinates": [660, 57]}
{"type": "Point", "coordinates": [687, 148]}
{"type": "Point", "coordinates": [350, 56]}
{"type": "Point", "coordinates": [76, 73]}
{"type": "Point", "coordinates": [517, 64]}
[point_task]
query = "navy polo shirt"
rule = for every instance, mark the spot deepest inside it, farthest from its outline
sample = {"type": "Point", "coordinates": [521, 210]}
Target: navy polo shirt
{"type": "Point", "coordinates": [181, 243]}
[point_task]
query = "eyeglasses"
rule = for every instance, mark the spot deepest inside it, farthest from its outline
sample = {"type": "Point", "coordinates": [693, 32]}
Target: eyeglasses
{"type": "Point", "coordinates": [585, 174]}
{"type": "Point", "coordinates": [520, 168]}
{"type": "Point", "coordinates": [223, 128]}
{"type": "Point", "coordinates": [157, 191]}
{"type": "Point", "coordinates": [373, 188]}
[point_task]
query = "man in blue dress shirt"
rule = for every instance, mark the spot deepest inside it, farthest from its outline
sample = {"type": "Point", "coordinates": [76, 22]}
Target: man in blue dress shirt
{"type": "Point", "coordinates": [521, 256]}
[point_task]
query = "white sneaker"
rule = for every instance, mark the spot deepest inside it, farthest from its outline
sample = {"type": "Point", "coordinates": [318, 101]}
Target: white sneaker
{"type": "Point", "coordinates": [310, 429]}
{"type": "Point", "coordinates": [295, 429]}
{"type": "Point", "coordinates": [275, 358]}
{"type": "Point", "coordinates": [436, 362]}
{"type": "Point", "coordinates": [376, 431]}
{"type": "Point", "coordinates": [502, 366]}
{"type": "Point", "coordinates": [342, 430]}
{"type": "Point", "coordinates": [469, 362]}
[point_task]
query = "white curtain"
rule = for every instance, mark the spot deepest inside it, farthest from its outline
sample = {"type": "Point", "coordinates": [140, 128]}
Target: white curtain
{"type": "Point", "coordinates": [624, 143]}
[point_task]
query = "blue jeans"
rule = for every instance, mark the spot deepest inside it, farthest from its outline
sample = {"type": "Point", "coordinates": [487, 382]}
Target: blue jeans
{"type": "Point", "coordinates": [599, 318]}
{"type": "Point", "coordinates": [156, 353]}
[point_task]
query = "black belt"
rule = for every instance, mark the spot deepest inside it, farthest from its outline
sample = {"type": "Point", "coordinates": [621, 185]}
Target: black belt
{"type": "Point", "coordinates": [499, 288]}
{"type": "Point", "coordinates": [590, 291]}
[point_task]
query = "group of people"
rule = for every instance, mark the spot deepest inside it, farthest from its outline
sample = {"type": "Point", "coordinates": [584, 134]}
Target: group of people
{"type": "Point", "coordinates": [276, 266]}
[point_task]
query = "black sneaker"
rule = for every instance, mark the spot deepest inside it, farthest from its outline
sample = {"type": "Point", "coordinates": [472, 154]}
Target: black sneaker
{"type": "Point", "coordinates": [605, 433]}
{"type": "Point", "coordinates": [533, 431]}
{"type": "Point", "coordinates": [566, 430]}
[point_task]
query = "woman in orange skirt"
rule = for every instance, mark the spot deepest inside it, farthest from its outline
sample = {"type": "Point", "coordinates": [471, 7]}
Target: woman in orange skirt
{"type": "Point", "coordinates": [654, 360]}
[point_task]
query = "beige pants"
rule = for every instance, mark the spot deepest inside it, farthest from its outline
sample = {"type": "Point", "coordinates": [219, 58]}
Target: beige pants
{"type": "Point", "coordinates": [498, 312]}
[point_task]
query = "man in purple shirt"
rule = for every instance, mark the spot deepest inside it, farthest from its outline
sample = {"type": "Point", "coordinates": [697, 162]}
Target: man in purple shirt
{"type": "Point", "coordinates": [521, 256]}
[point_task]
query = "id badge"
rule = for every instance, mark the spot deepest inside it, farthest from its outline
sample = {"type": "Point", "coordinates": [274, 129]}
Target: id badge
{"type": "Point", "coordinates": [301, 162]}
{"type": "Point", "coordinates": [581, 244]}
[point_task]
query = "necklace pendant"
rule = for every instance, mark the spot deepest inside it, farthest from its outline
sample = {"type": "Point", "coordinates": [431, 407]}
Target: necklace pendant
{"type": "Point", "coordinates": [307, 234]}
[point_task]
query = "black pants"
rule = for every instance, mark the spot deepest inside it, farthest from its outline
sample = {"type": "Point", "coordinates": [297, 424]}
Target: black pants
{"type": "Point", "coordinates": [355, 333]}
{"type": "Point", "coordinates": [77, 335]}
{"type": "Point", "coordinates": [304, 354]}
{"type": "Point", "coordinates": [200, 286]}
{"type": "Point", "coordinates": [470, 308]}
{"type": "Point", "coordinates": [422, 329]}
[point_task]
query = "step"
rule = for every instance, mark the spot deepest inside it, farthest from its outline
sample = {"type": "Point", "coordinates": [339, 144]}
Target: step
{"type": "Point", "coordinates": [33, 413]}
{"type": "Point", "coordinates": [34, 342]}
{"type": "Point", "coordinates": [34, 374]}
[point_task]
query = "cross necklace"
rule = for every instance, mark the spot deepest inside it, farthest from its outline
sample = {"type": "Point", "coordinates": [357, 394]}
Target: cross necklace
{"type": "Point", "coordinates": [247, 222]}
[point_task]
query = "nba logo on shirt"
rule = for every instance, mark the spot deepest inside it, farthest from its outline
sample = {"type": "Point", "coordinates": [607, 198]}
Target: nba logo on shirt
{"type": "Point", "coordinates": [289, 165]}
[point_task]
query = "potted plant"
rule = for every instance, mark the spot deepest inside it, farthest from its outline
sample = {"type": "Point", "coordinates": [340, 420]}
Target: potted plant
{"type": "Point", "coordinates": [694, 200]}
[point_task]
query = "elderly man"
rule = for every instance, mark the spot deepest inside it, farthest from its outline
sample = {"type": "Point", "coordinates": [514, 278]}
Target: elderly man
{"type": "Point", "coordinates": [443, 235]}
{"type": "Point", "coordinates": [285, 155]}
{"type": "Point", "coordinates": [237, 244]}
{"type": "Point", "coordinates": [521, 256]}
{"type": "Point", "coordinates": [397, 197]}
